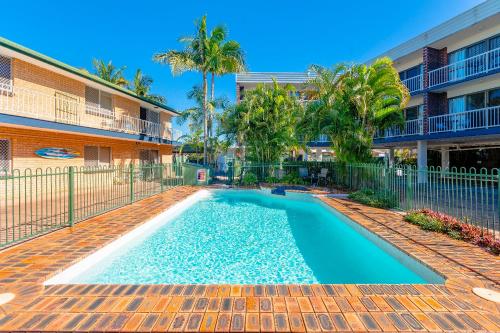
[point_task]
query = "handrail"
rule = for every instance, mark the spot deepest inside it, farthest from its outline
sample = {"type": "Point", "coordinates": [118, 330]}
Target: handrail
{"type": "Point", "coordinates": [415, 83]}
{"type": "Point", "coordinates": [70, 109]}
{"type": "Point", "coordinates": [411, 127]}
{"type": "Point", "coordinates": [479, 64]}
{"type": "Point", "coordinates": [467, 120]}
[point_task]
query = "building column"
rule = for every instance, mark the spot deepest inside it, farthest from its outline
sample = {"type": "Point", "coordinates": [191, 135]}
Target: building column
{"type": "Point", "coordinates": [422, 161]}
{"type": "Point", "coordinates": [445, 158]}
{"type": "Point", "coordinates": [391, 157]}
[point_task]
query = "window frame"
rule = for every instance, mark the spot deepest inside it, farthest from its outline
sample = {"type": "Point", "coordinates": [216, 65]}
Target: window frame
{"type": "Point", "coordinates": [10, 85]}
{"type": "Point", "coordinates": [99, 164]}
{"type": "Point", "coordinates": [9, 157]}
{"type": "Point", "coordinates": [465, 48]}
{"type": "Point", "coordinates": [100, 112]}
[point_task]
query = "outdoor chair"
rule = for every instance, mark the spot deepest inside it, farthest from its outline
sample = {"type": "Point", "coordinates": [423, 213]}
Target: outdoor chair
{"type": "Point", "coordinates": [323, 175]}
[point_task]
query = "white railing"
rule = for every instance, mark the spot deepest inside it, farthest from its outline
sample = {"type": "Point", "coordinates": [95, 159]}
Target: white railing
{"type": "Point", "coordinates": [67, 109]}
{"type": "Point", "coordinates": [411, 127]}
{"type": "Point", "coordinates": [479, 64]}
{"type": "Point", "coordinates": [172, 134]}
{"type": "Point", "coordinates": [415, 83]}
{"type": "Point", "coordinates": [473, 119]}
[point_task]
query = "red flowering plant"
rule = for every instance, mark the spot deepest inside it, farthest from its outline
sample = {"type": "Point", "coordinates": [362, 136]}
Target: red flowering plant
{"type": "Point", "coordinates": [430, 220]}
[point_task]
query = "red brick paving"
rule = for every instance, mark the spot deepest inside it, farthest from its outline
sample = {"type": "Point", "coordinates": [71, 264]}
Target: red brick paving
{"type": "Point", "coordinates": [235, 308]}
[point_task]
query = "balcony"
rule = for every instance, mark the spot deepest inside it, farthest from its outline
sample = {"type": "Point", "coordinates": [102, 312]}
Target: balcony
{"type": "Point", "coordinates": [411, 127]}
{"type": "Point", "coordinates": [468, 120]}
{"type": "Point", "coordinates": [414, 84]}
{"type": "Point", "coordinates": [478, 65]}
{"type": "Point", "coordinates": [66, 109]}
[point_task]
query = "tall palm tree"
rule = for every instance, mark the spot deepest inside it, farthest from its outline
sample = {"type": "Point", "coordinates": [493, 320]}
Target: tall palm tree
{"type": "Point", "coordinates": [141, 85]}
{"type": "Point", "coordinates": [110, 73]}
{"type": "Point", "coordinates": [205, 53]}
{"type": "Point", "coordinates": [192, 58]}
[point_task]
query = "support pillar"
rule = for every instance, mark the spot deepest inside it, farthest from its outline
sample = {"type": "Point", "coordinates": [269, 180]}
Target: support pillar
{"type": "Point", "coordinates": [445, 158]}
{"type": "Point", "coordinates": [422, 161]}
{"type": "Point", "coordinates": [391, 157]}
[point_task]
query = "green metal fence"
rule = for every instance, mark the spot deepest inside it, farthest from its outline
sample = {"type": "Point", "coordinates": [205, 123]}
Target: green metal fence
{"type": "Point", "coordinates": [33, 202]}
{"type": "Point", "coordinates": [469, 195]}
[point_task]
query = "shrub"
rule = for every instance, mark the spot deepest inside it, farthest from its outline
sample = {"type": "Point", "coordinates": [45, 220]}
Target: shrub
{"type": "Point", "coordinates": [249, 179]}
{"type": "Point", "coordinates": [374, 199]}
{"type": "Point", "coordinates": [456, 229]}
{"type": "Point", "coordinates": [272, 180]}
{"type": "Point", "coordinates": [425, 222]}
{"type": "Point", "coordinates": [293, 179]}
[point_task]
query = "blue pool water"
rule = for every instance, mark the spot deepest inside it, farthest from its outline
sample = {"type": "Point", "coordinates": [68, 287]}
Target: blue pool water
{"type": "Point", "coordinates": [249, 237]}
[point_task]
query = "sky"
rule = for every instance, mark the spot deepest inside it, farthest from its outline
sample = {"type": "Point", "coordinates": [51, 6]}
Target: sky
{"type": "Point", "coordinates": [287, 35]}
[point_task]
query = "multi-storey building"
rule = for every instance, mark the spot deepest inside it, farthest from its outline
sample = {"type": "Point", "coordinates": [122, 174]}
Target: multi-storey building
{"type": "Point", "coordinates": [319, 149]}
{"type": "Point", "coordinates": [453, 75]}
{"type": "Point", "coordinates": [55, 115]}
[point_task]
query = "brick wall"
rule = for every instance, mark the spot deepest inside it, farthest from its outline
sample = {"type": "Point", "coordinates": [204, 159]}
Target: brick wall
{"type": "Point", "coordinates": [24, 143]}
{"type": "Point", "coordinates": [434, 103]}
{"type": "Point", "coordinates": [29, 78]}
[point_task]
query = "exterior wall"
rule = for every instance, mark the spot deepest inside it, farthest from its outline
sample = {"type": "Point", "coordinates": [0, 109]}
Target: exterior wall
{"type": "Point", "coordinates": [457, 42]}
{"type": "Point", "coordinates": [407, 62]}
{"type": "Point", "coordinates": [165, 121]}
{"type": "Point", "coordinates": [26, 75]}
{"type": "Point", "coordinates": [415, 100]}
{"type": "Point", "coordinates": [24, 143]}
{"type": "Point", "coordinates": [474, 86]}
{"type": "Point", "coordinates": [123, 106]}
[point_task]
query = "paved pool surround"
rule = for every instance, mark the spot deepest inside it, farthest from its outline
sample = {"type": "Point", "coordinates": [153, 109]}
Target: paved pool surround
{"type": "Point", "coordinates": [145, 308]}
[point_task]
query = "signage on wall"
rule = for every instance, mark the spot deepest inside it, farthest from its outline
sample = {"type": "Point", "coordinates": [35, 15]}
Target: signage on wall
{"type": "Point", "coordinates": [57, 153]}
{"type": "Point", "coordinates": [201, 175]}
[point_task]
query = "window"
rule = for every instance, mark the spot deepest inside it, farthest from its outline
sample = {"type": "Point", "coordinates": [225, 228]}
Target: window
{"type": "Point", "coordinates": [98, 103]}
{"type": "Point", "coordinates": [474, 101]}
{"type": "Point", "coordinates": [148, 156]}
{"type": "Point", "coordinates": [414, 112]}
{"type": "Point", "coordinates": [5, 160]}
{"type": "Point", "coordinates": [97, 156]}
{"type": "Point", "coordinates": [494, 97]}
{"type": "Point", "coordinates": [410, 72]}
{"type": "Point", "coordinates": [5, 74]}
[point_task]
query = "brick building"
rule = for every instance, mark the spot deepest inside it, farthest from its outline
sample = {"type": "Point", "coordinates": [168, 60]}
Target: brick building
{"type": "Point", "coordinates": [55, 115]}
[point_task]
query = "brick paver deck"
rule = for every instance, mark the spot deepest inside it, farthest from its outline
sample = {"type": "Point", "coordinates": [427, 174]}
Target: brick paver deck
{"type": "Point", "coordinates": [222, 308]}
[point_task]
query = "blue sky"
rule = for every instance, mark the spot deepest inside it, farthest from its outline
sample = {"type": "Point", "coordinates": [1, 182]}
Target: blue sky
{"type": "Point", "coordinates": [276, 35]}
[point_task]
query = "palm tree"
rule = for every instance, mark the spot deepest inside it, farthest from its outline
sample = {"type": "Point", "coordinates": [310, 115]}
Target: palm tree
{"type": "Point", "coordinates": [206, 54]}
{"type": "Point", "coordinates": [141, 86]}
{"type": "Point", "coordinates": [192, 58]}
{"type": "Point", "coordinates": [354, 102]}
{"type": "Point", "coordinates": [195, 115]}
{"type": "Point", "coordinates": [109, 72]}
{"type": "Point", "coordinates": [265, 122]}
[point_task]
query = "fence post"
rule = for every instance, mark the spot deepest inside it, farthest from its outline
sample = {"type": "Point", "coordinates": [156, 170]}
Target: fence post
{"type": "Point", "coordinates": [71, 196]}
{"type": "Point", "coordinates": [162, 166]}
{"type": "Point", "coordinates": [131, 180]}
{"type": "Point", "coordinates": [350, 176]}
{"type": "Point", "coordinates": [409, 189]}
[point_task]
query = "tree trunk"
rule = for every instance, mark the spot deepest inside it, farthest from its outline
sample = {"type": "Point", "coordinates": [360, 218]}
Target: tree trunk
{"type": "Point", "coordinates": [205, 118]}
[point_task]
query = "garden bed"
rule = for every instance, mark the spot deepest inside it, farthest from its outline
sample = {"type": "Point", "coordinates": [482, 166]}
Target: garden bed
{"type": "Point", "coordinates": [429, 220]}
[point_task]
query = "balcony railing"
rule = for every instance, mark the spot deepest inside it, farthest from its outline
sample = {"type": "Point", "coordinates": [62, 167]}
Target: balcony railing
{"type": "Point", "coordinates": [415, 83]}
{"type": "Point", "coordinates": [411, 127]}
{"type": "Point", "coordinates": [474, 119]}
{"type": "Point", "coordinates": [479, 64]}
{"type": "Point", "coordinates": [67, 109]}
{"type": "Point", "coordinates": [172, 134]}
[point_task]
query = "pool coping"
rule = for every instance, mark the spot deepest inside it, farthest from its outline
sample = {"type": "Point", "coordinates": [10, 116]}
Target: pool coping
{"type": "Point", "coordinates": [451, 306]}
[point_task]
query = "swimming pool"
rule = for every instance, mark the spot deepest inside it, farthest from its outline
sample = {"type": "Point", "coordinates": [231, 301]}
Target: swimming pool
{"type": "Point", "coordinates": [248, 237]}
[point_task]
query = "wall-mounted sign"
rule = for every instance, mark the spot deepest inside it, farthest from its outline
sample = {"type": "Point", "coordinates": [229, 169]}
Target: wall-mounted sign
{"type": "Point", "coordinates": [201, 175]}
{"type": "Point", "coordinates": [57, 153]}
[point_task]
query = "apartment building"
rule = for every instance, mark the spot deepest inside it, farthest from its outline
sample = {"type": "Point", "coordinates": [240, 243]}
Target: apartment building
{"type": "Point", "coordinates": [55, 115]}
{"type": "Point", "coordinates": [453, 75]}
{"type": "Point", "coordinates": [317, 150]}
